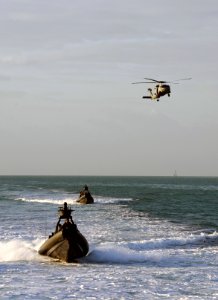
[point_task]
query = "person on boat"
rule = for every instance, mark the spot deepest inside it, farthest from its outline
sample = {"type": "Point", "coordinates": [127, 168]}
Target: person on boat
{"type": "Point", "coordinates": [58, 226]}
{"type": "Point", "coordinates": [87, 194]}
{"type": "Point", "coordinates": [86, 190]}
{"type": "Point", "coordinates": [68, 227]}
{"type": "Point", "coordinates": [64, 213]}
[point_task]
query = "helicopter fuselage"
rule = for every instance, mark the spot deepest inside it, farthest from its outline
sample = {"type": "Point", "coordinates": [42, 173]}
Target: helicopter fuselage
{"type": "Point", "coordinates": [163, 89]}
{"type": "Point", "coordinates": [159, 91]}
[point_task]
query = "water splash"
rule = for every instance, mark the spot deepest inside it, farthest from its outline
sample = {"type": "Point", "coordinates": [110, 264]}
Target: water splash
{"type": "Point", "coordinates": [19, 250]}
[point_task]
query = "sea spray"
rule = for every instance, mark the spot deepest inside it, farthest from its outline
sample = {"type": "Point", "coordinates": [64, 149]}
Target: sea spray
{"type": "Point", "coordinates": [17, 250]}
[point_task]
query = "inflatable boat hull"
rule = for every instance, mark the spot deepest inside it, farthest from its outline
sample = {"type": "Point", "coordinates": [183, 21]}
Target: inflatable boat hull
{"type": "Point", "coordinates": [85, 200]}
{"type": "Point", "coordinates": [67, 249]}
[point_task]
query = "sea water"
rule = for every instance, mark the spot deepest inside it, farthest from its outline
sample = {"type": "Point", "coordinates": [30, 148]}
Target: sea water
{"type": "Point", "coordinates": [149, 238]}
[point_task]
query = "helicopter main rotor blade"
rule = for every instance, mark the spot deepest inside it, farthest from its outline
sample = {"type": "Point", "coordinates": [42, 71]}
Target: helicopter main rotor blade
{"type": "Point", "coordinates": [163, 81]}
{"type": "Point", "coordinates": [154, 80]}
{"type": "Point", "coordinates": [142, 82]}
{"type": "Point", "coordinates": [183, 79]}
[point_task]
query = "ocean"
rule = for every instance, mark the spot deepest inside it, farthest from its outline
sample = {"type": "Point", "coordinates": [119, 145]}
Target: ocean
{"type": "Point", "coordinates": [149, 238]}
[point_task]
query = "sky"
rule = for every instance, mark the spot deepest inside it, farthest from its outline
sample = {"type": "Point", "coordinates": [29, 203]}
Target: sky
{"type": "Point", "coordinates": [67, 105]}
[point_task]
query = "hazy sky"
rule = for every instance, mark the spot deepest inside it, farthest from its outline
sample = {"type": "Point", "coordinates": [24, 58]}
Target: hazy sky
{"type": "Point", "coordinates": [67, 105]}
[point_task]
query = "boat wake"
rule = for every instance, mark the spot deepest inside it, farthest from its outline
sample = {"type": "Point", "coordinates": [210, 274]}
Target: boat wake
{"type": "Point", "coordinates": [168, 252]}
{"type": "Point", "coordinates": [43, 200]}
{"type": "Point", "coordinates": [165, 252]}
{"type": "Point", "coordinates": [72, 200]}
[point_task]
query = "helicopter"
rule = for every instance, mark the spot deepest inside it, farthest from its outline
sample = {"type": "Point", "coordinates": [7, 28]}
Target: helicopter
{"type": "Point", "coordinates": [161, 89]}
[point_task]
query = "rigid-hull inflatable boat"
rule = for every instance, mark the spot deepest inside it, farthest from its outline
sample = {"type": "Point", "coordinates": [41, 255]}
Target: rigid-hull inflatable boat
{"type": "Point", "coordinates": [66, 243]}
{"type": "Point", "coordinates": [85, 196]}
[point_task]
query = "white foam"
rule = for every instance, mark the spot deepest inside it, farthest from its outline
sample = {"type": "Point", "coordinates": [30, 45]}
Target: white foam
{"type": "Point", "coordinates": [47, 200]}
{"type": "Point", "coordinates": [166, 243]}
{"type": "Point", "coordinates": [115, 254]}
{"type": "Point", "coordinates": [71, 200]}
{"type": "Point", "coordinates": [17, 250]}
{"type": "Point", "coordinates": [163, 251]}
{"type": "Point", "coordinates": [110, 200]}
